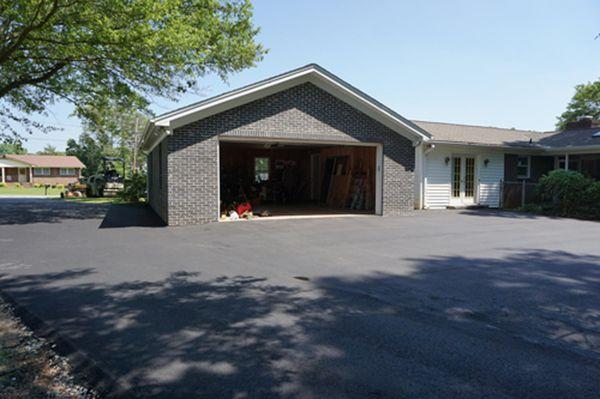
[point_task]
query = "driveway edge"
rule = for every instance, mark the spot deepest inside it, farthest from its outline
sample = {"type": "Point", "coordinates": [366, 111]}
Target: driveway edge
{"type": "Point", "coordinates": [83, 366]}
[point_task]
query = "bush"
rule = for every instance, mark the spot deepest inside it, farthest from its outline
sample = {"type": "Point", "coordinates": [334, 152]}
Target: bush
{"type": "Point", "coordinates": [37, 185]}
{"type": "Point", "coordinates": [135, 188]}
{"type": "Point", "coordinates": [18, 185]}
{"type": "Point", "coordinates": [60, 186]}
{"type": "Point", "coordinates": [569, 193]}
{"type": "Point", "coordinates": [2, 184]}
{"type": "Point", "coordinates": [591, 200]}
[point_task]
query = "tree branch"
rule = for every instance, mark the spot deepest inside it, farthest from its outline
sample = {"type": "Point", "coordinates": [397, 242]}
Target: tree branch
{"type": "Point", "coordinates": [32, 80]}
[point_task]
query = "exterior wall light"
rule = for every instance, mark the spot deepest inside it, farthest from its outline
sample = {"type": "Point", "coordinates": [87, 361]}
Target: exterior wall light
{"type": "Point", "coordinates": [486, 162]}
{"type": "Point", "coordinates": [447, 160]}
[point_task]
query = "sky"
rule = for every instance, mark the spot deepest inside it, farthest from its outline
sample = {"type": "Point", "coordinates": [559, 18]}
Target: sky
{"type": "Point", "coordinates": [494, 63]}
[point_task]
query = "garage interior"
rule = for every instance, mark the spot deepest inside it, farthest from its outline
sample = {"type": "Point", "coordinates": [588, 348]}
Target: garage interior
{"type": "Point", "coordinates": [274, 179]}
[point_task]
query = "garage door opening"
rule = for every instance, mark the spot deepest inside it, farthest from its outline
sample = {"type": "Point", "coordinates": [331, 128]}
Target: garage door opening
{"type": "Point", "coordinates": [275, 180]}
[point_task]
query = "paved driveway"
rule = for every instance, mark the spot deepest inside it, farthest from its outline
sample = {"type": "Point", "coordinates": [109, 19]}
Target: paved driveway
{"type": "Point", "coordinates": [434, 304]}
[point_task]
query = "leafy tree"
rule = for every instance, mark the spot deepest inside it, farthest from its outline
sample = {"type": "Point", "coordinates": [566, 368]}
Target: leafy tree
{"type": "Point", "coordinates": [12, 146]}
{"type": "Point", "coordinates": [585, 102]}
{"type": "Point", "coordinates": [101, 53]}
{"type": "Point", "coordinates": [88, 150]}
{"type": "Point", "coordinates": [119, 132]}
{"type": "Point", "coordinates": [49, 150]}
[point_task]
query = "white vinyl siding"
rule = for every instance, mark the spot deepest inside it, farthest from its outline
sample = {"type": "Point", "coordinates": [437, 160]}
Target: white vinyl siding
{"type": "Point", "coordinates": [438, 175]}
{"type": "Point", "coordinates": [437, 179]}
{"type": "Point", "coordinates": [490, 178]}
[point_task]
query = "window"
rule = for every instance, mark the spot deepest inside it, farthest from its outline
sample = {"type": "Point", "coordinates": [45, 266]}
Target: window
{"type": "Point", "coordinates": [523, 166]}
{"type": "Point", "coordinates": [261, 169]}
{"type": "Point", "coordinates": [67, 171]}
{"type": "Point", "coordinates": [573, 162]}
{"type": "Point", "coordinates": [42, 171]}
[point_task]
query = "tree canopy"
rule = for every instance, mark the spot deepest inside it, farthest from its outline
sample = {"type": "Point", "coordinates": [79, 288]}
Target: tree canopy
{"type": "Point", "coordinates": [89, 151]}
{"type": "Point", "coordinates": [585, 102]}
{"type": "Point", "coordinates": [101, 53]}
{"type": "Point", "coordinates": [49, 150]}
{"type": "Point", "coordinates": [12, 146]}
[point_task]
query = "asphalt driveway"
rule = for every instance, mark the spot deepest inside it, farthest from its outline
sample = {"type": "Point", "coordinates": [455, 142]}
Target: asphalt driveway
{"type": "Point", "coordinates": [433, 304]}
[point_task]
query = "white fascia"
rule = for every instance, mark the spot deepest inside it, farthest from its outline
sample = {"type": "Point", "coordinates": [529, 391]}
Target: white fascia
{"type": "Point", "coordinates": [313, 74]}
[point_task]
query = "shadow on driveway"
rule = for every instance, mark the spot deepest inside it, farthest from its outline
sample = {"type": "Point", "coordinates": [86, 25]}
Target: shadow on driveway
{"type": "Point", "coordinates": [129, 215]}
{"type": "Point", "coordinates": [527, 324]}
{"type": "Point", "coordinates": [30, 211]}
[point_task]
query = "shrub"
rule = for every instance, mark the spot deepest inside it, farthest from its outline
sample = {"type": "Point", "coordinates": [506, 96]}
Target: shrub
{"type": "Point", "coordinates": [562, 189]}
{"type": "Point", "coordinates": [569, 193]}
{"type": "Point", "coordinates": [37, 185]}
{"type": "Point", "coordinates": [60, 186]}
{"type": "Point", "coordinates": [135, 188]}
{"type": "Point", "coordinates": [591, 200]}
{"type": "Point", "coordinates": [2, 184]}
{"type": "Point", "coordinates": [18, 185]}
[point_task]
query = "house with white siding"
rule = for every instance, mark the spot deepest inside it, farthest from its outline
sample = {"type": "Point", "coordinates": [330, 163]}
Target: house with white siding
{"type": "Point", "coordinates": [466, 165]}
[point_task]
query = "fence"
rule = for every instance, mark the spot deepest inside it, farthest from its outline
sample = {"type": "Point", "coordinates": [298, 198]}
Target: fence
{"type": "Point", "coordinates": [516, 194]}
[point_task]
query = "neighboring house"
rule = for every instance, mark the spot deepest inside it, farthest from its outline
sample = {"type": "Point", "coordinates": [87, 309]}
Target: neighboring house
{"type": "Point", "coordinates": [312, 118]}
{"type": "Point", "coordinates": [42, 169]}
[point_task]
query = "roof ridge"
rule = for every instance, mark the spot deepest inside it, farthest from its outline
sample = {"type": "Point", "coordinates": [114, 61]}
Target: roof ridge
{"type": "Point", "coordinates": [481, 126]}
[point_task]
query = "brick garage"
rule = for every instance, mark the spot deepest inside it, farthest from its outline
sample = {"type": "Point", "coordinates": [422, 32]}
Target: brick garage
{"type": "Point", "coordinates": [305, 106]}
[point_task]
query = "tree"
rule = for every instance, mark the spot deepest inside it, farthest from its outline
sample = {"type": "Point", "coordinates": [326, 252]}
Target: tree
{"type": "Point", "coordinates": [101, 53]}
{"type": "Point", "coordinates": [49, 150]}
{"type": "Point", "coordinates": [12, 146]}
{"type": "Point", "coordinates": [119, 132]}
{"type": "Point", "coordinates": [585, 102]}
{"type": "Point", "coordinates": [88, 151]}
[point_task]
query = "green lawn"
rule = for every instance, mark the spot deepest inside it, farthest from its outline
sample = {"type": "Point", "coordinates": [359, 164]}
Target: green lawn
{"type": "Point", "coordinates": [12, 190]}
{"type": "Point", "coordinates": [100, 200]}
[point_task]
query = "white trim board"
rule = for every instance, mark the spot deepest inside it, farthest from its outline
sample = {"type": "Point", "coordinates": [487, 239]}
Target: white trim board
{"type": "Point", "coordinates": [310, 73]}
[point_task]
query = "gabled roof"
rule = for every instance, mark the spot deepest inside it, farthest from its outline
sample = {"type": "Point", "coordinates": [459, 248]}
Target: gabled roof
{"type": "Point", "coordinates": [47, 161]}
{"type": "Point", "coordinates": [310, 73]}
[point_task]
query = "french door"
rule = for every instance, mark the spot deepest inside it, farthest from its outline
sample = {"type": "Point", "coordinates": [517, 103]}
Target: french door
{"type": "Point", "coordinates": [463, 180]}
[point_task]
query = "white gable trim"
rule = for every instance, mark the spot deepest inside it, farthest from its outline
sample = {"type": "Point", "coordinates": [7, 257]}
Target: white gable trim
{"type": "Point", "coordinates": [310, 73]}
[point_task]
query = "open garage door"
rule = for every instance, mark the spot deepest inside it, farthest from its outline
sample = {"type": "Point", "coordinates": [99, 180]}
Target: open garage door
{"type": "Point", "coordinates": [283, 179]}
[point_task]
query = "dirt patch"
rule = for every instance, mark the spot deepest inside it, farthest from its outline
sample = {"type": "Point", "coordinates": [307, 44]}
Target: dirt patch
{"type": "Point", "coordinates": [29, 367]}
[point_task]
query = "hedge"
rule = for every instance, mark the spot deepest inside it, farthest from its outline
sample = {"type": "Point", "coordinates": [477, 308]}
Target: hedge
{"type": "Point", "coordinates": [569, 193]}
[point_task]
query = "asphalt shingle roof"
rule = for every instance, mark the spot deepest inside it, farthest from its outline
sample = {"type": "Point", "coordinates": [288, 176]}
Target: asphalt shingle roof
{"type": "Point", "coordinates": [48, 161]}
{"type": "Point", "coordinates": [495, 136]}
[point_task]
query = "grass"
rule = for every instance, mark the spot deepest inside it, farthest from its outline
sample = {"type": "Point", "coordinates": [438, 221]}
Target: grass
{"type": "Point", "coordinates": [102, 200]}
{"type": "Point", "coordinates": [99, 200]}
{"type": "Point", "coordinates": [12, 190]}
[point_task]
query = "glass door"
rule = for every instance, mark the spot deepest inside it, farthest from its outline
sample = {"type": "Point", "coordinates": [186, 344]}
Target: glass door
{"type": "Point", "coordinates": [463, 180]}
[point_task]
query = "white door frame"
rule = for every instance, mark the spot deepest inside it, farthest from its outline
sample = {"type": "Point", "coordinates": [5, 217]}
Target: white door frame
{"type": "Point", "coordinates": [462, 199]}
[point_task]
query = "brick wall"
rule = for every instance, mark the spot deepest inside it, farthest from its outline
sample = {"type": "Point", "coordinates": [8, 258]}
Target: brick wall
{"type": "Point", "coordinates": [301, 112]}
{"type": "Point", "coordinates": [157, 181]}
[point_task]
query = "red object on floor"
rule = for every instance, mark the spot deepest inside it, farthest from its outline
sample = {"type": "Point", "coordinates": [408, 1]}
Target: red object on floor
{"type": "Point", "coordinates": [243, 207]}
